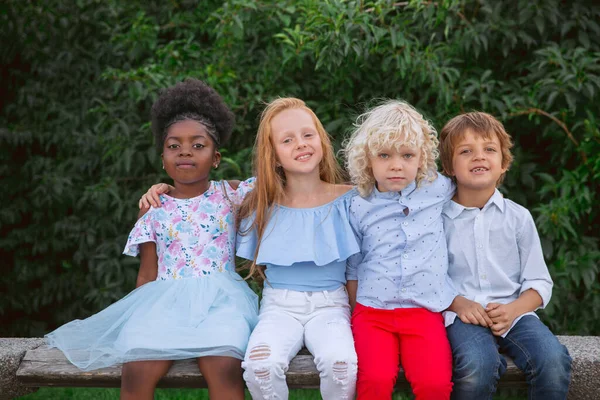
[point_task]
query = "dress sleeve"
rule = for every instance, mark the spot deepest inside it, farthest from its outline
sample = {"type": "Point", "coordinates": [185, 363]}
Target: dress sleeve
{"type": "Point", "coordinates": [142, 232]}
{"type": "Point", "coordinates": [242, 190]}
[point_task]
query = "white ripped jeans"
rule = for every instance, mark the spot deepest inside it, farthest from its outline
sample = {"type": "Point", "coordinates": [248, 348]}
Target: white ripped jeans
{"type": "Point", "coordinates": [289, 320]}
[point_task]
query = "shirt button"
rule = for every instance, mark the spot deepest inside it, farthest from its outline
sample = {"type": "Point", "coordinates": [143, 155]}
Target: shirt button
{"type": "Point", "coordinates": [480, 246]}
{"type": "Point", "coordinates": [404, 255]}
{"type": "Point", "coordinates": [405, 223]}
{"type": "Point", "coordinates": [484, 276]}
{"type": "Point", "coordinates": [403, 290]}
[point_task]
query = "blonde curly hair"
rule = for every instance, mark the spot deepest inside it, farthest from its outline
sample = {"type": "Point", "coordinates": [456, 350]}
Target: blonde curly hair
{"type": "Point", "coordinates": [391, 124]}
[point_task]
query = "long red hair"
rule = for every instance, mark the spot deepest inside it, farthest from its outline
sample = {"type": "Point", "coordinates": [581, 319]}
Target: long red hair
{"type": "Point", "coordinates": [270, 179]}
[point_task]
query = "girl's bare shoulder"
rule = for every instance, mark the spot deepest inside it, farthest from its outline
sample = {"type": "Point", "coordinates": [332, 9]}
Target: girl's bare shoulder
{"type": "Point", "coordinates": [341, 189]}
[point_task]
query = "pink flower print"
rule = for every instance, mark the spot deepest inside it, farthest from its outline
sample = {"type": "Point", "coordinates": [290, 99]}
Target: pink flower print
{"type": "Point", "coordinates": [169, 205]}
{"type": "Point", "coordinates": [204, 262]}
{"type": "Point", "coordinates": [175, 248]}
{"type": "Point", "coordinates": [203, 216]}
{"type": "Point", "coordinates": [215, 197]}
{"type": "Point", "coordinates": [225, 258]}
{"type": "Point", "coordinates": [225, 210]}
{"type": "Point", "coordinates": [221, 241]}
{"type": "Point", "coordinates": [176, 219]}
{"type": "Point", "coordinates": [198, 251]}
{"type": "Point", "coordinates": [180, 264]}
{"type": "Point", "coordinates": [161, 265]}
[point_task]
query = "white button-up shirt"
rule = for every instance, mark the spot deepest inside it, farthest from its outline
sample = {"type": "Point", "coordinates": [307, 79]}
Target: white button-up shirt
{"type": "Point", "coordinates": [494, 254]}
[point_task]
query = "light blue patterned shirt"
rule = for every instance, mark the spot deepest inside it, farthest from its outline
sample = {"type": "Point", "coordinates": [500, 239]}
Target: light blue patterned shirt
{"type": "Point", "coordinates": [495, 253]}
{"type": "Point", "coordinates": [403, 260]}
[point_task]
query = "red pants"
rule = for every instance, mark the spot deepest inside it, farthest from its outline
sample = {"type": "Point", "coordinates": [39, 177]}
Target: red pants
{"type": "Point", "coordinates": [413, 337]}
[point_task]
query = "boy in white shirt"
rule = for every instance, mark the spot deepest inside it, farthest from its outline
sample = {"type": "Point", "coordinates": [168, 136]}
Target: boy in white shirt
{"type": "Point", "coordinates": [497, 266]}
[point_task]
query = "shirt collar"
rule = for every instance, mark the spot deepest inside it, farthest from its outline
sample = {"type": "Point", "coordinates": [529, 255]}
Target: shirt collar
{"type": "Point", "coordinates": [409, 189]}
{"type": "Point", "coordinates": [392, 195]}
{"type": "Point", "coordinates": [497, 199]}
{"type": "Point", "coordinates": [452, 209]}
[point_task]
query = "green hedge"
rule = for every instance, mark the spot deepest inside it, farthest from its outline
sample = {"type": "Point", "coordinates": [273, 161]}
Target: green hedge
{"type": "Point", "coordinates": [79, 77]}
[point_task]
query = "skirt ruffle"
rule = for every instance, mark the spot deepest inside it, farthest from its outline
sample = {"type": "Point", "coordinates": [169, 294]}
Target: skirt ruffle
{"type": "Point", "coordinates": [164, 320]}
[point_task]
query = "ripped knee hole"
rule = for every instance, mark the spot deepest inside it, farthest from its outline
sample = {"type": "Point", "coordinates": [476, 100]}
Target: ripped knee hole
{"type": "Point", "coordinates": [260, 352]}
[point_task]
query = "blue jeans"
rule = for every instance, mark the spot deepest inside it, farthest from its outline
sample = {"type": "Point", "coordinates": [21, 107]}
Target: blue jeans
{"type": "Point", "coordinates": [535, 350]}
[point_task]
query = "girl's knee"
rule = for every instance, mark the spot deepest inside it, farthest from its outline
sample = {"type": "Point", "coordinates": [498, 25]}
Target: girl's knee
{"type": "Point", "coordinates": [134, 379]}
{"type": "Point", "coordinates": [258, 352]}
{"type": "Point", "coordinates": [261, 365]}
{"type": "Point", "coordinates": [222, 370]}
{"type": "Point", "coordinates": [344, 371]}
{"type": "Point", "coordinates": [341, 367]}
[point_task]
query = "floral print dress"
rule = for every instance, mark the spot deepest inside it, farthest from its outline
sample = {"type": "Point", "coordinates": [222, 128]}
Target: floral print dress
{"type": "Point", "coordinates": [198, 305]}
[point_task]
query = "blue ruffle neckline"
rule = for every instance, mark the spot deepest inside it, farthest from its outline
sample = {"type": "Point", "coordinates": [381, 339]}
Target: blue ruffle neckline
{"type": "Point", "coordinates": [319, 235]}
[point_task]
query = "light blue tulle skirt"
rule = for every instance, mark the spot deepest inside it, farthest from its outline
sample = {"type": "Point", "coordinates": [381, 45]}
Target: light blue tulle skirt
{"type": "Point", "coordinates": [164, 320]}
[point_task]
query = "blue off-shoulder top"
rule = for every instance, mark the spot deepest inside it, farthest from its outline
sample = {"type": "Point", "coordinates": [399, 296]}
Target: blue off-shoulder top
{"type": "Point", "coordinates": [304, 249]}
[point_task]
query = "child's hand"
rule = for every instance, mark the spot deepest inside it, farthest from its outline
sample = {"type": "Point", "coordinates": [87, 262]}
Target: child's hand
{"type": "Point", "coordinates": [470, 312]}
{"type": "Point", "coordinates": [150, 198]}
{"type": "Point", "coordinates": [502, 316]}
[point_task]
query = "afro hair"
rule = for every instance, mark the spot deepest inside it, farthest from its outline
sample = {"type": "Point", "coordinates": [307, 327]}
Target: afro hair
{"type": "Point", "coordinates": [191, 97]}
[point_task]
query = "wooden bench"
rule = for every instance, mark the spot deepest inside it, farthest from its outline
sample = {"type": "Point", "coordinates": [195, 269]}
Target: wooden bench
{"type": "Point", "coordinates": [39, 366]}
{"type": "Point", "coordinates": [46, 366]}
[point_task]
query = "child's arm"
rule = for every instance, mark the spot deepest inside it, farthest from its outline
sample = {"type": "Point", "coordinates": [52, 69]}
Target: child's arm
{"type": "Point", "coordinates": [151, 197]}
{"type": "Point", "coordinates": [352, 287]}
{"type": "Point", "coordinates": [535, 280]}
{"type": "Point", "coordinates": [353, 262]}
{"type": "Point", "coordinates": [470, 312]}
{"type": "Point", "coordinates": [148, 260]}
{"type": "Point", "coordinates": [503, 315]}
{"type": "Point", "coordinates": [148, 264]}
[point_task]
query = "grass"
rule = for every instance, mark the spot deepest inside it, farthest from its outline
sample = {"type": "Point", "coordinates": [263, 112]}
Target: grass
{"type": "Point", "coordinates": [188, 394]}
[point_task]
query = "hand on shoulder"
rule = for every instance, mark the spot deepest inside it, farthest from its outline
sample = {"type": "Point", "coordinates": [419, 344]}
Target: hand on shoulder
{"type": "Point", "coordinates": [152, 196]}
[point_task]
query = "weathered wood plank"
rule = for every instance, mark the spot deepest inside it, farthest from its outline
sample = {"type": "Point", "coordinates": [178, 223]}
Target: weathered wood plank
{"type": "Point", "coordinates": [48, 367]}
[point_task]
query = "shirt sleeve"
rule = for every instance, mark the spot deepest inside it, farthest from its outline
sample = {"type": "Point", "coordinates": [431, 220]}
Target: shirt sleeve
{"type": "Point", "coordinates": [246, 239]}
{"type": "Point", "coordinates": [448, 187]}
{"type": "Point", "coordinates": [142, 232]}
{"type": "Point", "coordinates": [534, 272]}
{"type": "Point", "coordinates": [354, 260]}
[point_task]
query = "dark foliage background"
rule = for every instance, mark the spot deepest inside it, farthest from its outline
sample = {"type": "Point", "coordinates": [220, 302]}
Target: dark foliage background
{"type": "Point", "coordinates": [78, 78]}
